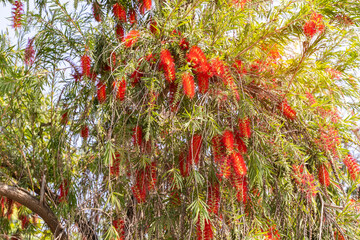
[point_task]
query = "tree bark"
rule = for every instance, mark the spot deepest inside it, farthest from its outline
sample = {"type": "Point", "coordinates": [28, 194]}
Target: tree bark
{"type": "Point", "coordinates": [25, 198]}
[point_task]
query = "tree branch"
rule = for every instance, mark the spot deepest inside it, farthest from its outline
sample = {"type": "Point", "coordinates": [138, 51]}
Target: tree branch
{"type": "Point", "coordinates": [25, 198]}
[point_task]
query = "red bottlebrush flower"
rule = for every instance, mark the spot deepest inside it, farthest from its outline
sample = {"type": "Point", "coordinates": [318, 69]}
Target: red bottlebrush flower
{"type": "Point", "coordinates": [239, 67]}
{"type": "Point", "coordinates": [24, 221]}
{"type": "Point", "coordinates": [338, 236]}
{"type": "Point", "coordinates": [238, 164]}
{"type": "Point", "coordinates": [119, 31]}
{"type": "Point", "coordinates": [228, 141]}
{"type": "Point", "coordinates": [119, 226]}
{"type": "Point", "coordinates": [96, 11]}
{"type": "Point", "coordinates": [328, 140]}
{"type": "Point", "coordinates": [194, 149]}
{"type": "Point", "coordinates": [29, 53]}
{"type": "Point", "coordinates": [244, 127]}
{"type": "Point", "coordinates": [64, 118]}
{"type": "Point", "coordinates": [352, 166]}
{"type": "Point", "coordinates": [101, 92]}
{"type": "Point", "coordinates": [64, 190]}
{"type": "Point", "coordinates": [131, 38]}
{"type": "Point", "coordinates": [115, 164]}
{"type": "Point", "coordinates": [324, 178]}
{"type": "Point", "coordinates": [10, 207]}
{"type": "Point", "coordinates": [198, 60]}
{"type": "Point", "coordinates": [314, 25]}
{"type": "Point", "coordinates": [218, 67]}
{"type": "Point", "coordinates": [183, 165]}
{"type": "Point", "coordinates": [132, 16]}
{"type": "Point", "coordinates": [153, 27]}
{"type": "Point", "coordinates": [135, 77]}
{"type": "Point", "coordinates": [172, 90]}
{"type": "Point", "coordinates": [287, 110]}
{"type": "Point", "coordinates": [240, 184]}
{"type": "Point", "coordinates": [203, 80]}
{"type": "Point", "coordinates": [85, 65]}
{"type": "Point", "coordinates": [168, 65]}
{"type": "Point", "coordinates": [119, 12]}
{"type": "Point", "coordinates": [17, 14]}
{"type": "Point", "coordinates": [305, 181]}
{"type": "Point", "coordinates": [188, 84]}
{"type": "Point", "coordinates": [140, 187]}
{"type": "Point", "coordinates": [120, 88]}
{"type": "Point", "coordinates": [241, 147]}
{"type": "Point", "coordinates": [153, 175]}
{"type": "Point", "coordinates": [217, 148]}
{"type": "Point", "coordinates": [137, 136]}
{"type": "Point", "coordinates": [150, 58]}
{"type": "Point", "coordinates": [225, 167]}
{"type": "Point", "coordinates": [84, 131]}
{"type": "Point", "coordinates": [147, 4]}
{"type": "Point", "coordinates": [213, 198]}
{"type": "Point", "coordinates": [184, 44]}
{"type": "Point", "coordinates": [2, 206]}
{"type": "Point", "coordinates": [272, 234]}
{"type": "Point", "coordinates": [204, 232]}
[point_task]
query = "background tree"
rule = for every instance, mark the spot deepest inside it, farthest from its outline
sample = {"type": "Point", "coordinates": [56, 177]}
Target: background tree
{"type": "Point", "coordinates": [180, 119]}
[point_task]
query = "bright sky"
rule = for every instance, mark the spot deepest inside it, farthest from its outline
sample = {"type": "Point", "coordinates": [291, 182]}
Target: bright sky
{"type": "Point", "coordinates": [5, 18]}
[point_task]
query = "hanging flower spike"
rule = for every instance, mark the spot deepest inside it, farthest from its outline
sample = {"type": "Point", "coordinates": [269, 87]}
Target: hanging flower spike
{"type": "Point", "coordinates": [338, 236]}
{"type": "Point", "coordinates": [120, 88]}
{"type": "Point", "coordinates": [244, 127]}
{"type": "Point", "coordinates": [238, 164]}
{"type": "Point", "coordinates": [184, 44]}
{"type": "Point", "coordinates": [17, 14]}
{"type": "Point", "coordinates": [324, 178]}
{"type": "Point", "coordinates": [29, 53]}
{"type": "Point", "coordinates": [240, 184]}
{"type": "Point", "coordinates": [84, 131]}
{"type": "Point", "coordinates": [197, 59]}
{"type": "Point", "coordinates": [287, 110]}
{"type": "Point", "coordinates": [213, 198]}
{"type": "Point", "coordinates": [135, 77]}
{"type": "Point", "coordinates": [272, 234]}
{"type": "Point", "coordinates": [168, 65]}
{"type": "Point", "coordinates": [188, 84]}
{"type": "Point", "coordinates": [203, 80]}
{"type": "Point", "coordinates": [119, 12]}
{"type": "Point", "coordinates": [96, 11]}
{"type": "Point", "coordinates": [147, 4]}
{"type": "Point", "coordinates": [137, 136]}
{"type": "Point", "coordinates": [225, 167]}
{"type": "Point", "coordinates": [101, 92]}
{"type": "Point", "coordinates": [119, 31]}
{"type": "Point", "coordinates": [132, 16]}
{"type": "Point", "coordinates": [194, 149]}
{"type": "Point", "coordinates": [131, 38]}
{"type": "Point", "coordinates": [240, 145]}
{"type": "Point", "coordinates": [352, 166]}
{"type": "Point", "coordinates": [64, 118]}
{"type": "Point", "coordinates": [85, 65]}
{"type": "Point", "coordinates": [119, 226]}
{"type": "Point", "coordinates": [239, 67]}
{"type": "Point", "coordinates": [153, 176]}
{"type": "Point", "coordinates": [217, 148]}
{"type": "Point", "coordinates": [314, 25]}
{"type": "Point", "coordinates": [115, 165]}
{"type": "Point", "coordinates": [205, 233]}
{"type": "Point", "coordinates": [228, 141]}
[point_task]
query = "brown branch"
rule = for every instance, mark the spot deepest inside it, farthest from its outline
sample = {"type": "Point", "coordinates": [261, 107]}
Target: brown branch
{"type": "Point", "coordinates": [25, 198]}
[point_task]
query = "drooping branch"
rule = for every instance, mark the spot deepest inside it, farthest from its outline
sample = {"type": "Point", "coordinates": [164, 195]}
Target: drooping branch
{"type": "Point", "coordinates": [25, 198]}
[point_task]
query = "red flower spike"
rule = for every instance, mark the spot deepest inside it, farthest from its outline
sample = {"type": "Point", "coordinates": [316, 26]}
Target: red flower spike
{"type": "Point", "coordinates": [352, 166]}
{"type": "Point", "coordinates": [132, 16]}
{"type": "Point", "coordinates": [64, 118]}
{"type": "Point", "coordinates": [272, 234]}
{"type": "Point", "coordinates": [241, 147]}
{"type": "Point", "coordinates": [64, 190]}
{"type": "Point", "coordinates": [240, 184]}
{"type": "Point", "coordinates": [167, 64]}
{"type": "Point", "coordinates": [324, 178]}
{"type": "Point", "coordinates": [153, 27]}
{"type": "Point", "coordinates": [131, 38]}
{"type": "Point", "coordinates": [96, 11]}
{"type": "Point", "coordinates": [84, 131]}
{"type": "Point", "coordinates": [305, 181]}
{"type": "Point", "coordinates": [203, 80]}
{"type": "Point", "coordinates": [184, 44]}
{"type": "Point", "coordinates": [188, 84]}
{"type": "Point", "coordinates": [115, 165]}
{"type": "Point", "coordinates": [119, 226]}
{"type": "Point", "coordinates": [217, 148]}
{"type": "Point", "coordinates": [183, 165]}
{"type": "Point", "coordinates": [120, 88]}
{"type": "Point", "coordinates": [17, 14]}
{"type": "Point", "coordinates": [198, 60]}
{"type": "Point", "coordinates": [218, 67]}
{"type": "Point", "coordinates": [205, 233]}
{"type": "Point", "coordinates": [29, 52]}
{"type": "Point", "coordinates": [101, 92]}
{"type": "Point", "coordinates": [153, 176]}
{"type": "Point", "coordinates": [244, 127]}
{"type": "Point", "coordinates": [10, 207]}
{"type": "Point", "coordinates": [338, 236]}
{"type": "Point", "coordinates": [239, 67]}
{"type": "Point", "coordinates": [287, 110]}
{"type": "Point", "coordinates": [194, 149]}
{"type": "Point", "coordinates": [24, 221]}
{"type": "Point", "coordinates": [213, 198]}
{"type": "Point", "coordinates": [85, 65]}
{"type": "Point", "coordinates": [137, 136]}
{"type": "Point", "coordinates": [310, 98]}
{"type": "Point", "coordinates": [314, 25]}
{"type": "Point", "coordinates": [147, 4]}
{"type": "Point", "coordinates": [225, 167]}
{"type": "Point", "coordinates": [135, 77]}
{"type": "Point", "coordinates": [119, 31]}
{"type": "Point", "coordinates": [228, 141]}
{"type": "Point", "coordinates": [238, 164]}
{"type": "Point", "coordinates": [119, 12]}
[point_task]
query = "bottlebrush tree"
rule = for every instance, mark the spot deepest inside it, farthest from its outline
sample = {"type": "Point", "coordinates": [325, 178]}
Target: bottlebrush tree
{"type": "Point", "coordinates": [172, 119]}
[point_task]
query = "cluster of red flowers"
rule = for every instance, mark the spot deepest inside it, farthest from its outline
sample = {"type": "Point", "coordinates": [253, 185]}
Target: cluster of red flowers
{"type": "Point", "coordinates": [323, 173]}
{"type": "Point", "coordinates": [328, 140]}
{"type": "Point", "coordinates": [86, 65]}
{"type": "Point", "coordinates": [119, 32]}
{"type": "Point", "coordinates": [119, 12]}
{"type": "Point", "coordinates": [29, 52]}
{"type": "Point", "coordinates": [119, 226]}
{"type": "Point", "coordinates": [244, 127]}
{"type": "Point", "coordinates": [220, 69]}
{"type": "Point", "coordinates": [240, 184]}
{"type": "Point", "coordinates": [239, 67]}
{"type": "Point", "coordinates": [305, 181]}
{"type": "Point", "coordinates": [272, 234]}
{"type": "Point", "coordinates": [131, 38]}
{"type": "Point", "coordinates": [314, 25]}
{"type": "Point", "coordinates": [17, 14]}
{"type": "Point", "coordinates": [240, 3]}
{"type": "Point", "coordinates": [64, 190]}
{"type": "Point", "coordinates": [115, 165]}
{"type": "Point", "coordinates": [137, 136]}
{"type": "Point", "coordinates": [84, 132]}
{"type": "Point", "coordinates": [145, 181]}
{"type": "Point", "coordinates": [188, 84]}
{"type": "Point", "coordinates": [338, 236]}
{"type": "Point", "coordinates": [8, 204]}
{"type": "Point", "coordinates": [120, 89]}
{"type": "Point", "coordinates": [352, 166]}
{"type": "Point", "coordinates": [24, 221]}
{"type": "Point", "coordinates": [132, 16]}
{"type": "Point", "coordinates": [204, 232]}
{"type": "Point", "coordinates": [199, 63]}
{"type": "Point", "coordinates": [333, 114]}
{"type": "Point", "coordinates": [96, 11]}
{"type": "Point", "coordinates": [287, 110]}
{"type": "Point", "coordinates": [213, 198]}
{"type": "Point", "coordinates": [168, 65]}
{"type": "Point", "coordinates": [101, 92]}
